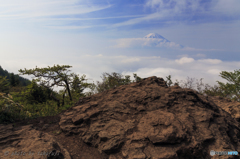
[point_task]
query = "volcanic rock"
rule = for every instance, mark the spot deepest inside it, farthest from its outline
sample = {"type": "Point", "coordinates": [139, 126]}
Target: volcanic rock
{"type": "Point", "coordinates": [26, 142]}
{"type": "Point", "coordinates": [232, 107]}
{"type": "Point", "coordinates": [148, 119]}
{"type": "Point", "coordinates": [142, 120]}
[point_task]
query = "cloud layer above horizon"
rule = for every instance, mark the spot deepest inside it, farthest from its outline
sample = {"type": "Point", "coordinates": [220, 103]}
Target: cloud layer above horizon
{"type": "Point", "coordinates": [195, 38]}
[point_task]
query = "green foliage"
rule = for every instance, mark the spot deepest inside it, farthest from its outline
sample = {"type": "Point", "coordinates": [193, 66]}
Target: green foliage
{"type": "Point", "coordinates": [58, 76]}
{"type": "Point", "coordinates": [55, 76]}
{"type": "Point", "coordinates": [32, 93]}
{"type": "Point", "coordinates": [4, 84]}
{"type": "Point", "coordinates": [12, 79]}
{"type": "Point", "coordinates": [4, 72]}
{"type": "Point", "coordinates": [19, 81]}
{"type": "Point", "coordinates": [9, 110]}
{"type": "Point", "coordinates": [38, 99]}
{"type": "Point", "coordinates": [78, 86]}
{"type": "Point", "coordinates": [229, 90]}
{"type": "Point", "coordinates": [137, 79]}
{"type": "Point", "coordinates": [36, 93]}
{"type": "Point", "coordinates": [169, 81]}
{"type": "Point", "coordinates": [112, 81]}
{"type": "Point", "coordinates": [232, 88]}
{"type": "Point", "coordinates": [213, 91]}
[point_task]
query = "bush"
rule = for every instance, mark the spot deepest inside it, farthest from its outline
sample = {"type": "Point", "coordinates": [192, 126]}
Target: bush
{"type": "Point", "coordinates": [10, 110]}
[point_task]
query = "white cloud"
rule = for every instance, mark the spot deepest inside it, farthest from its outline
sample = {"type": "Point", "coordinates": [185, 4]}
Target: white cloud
{"type": "Point", "coordinates": [184, 60]}
{"type": "Point", "coordinates": [214, 71]}
{"type": "Point", "coordinates": [186, 48]}
{"type": "Point", "coordinates": [94, 65]}
{"type": "Point", "coordinates": [134, 42]}
{"type": "Point", "coordinates": [68, 27]}
{"type": "Point", "coordinates": [128, 42]}
{"type": "Point", "coordinates": [80, 19]}
{"type": "Point", "coordinates": [99, 55]}
{"type": "Point", "coordinates": [130, 60]}
{"type": "Point", "coordinates": [156, 71]}
{"type": "Point", "coordinates": [157, 41]}
{"type": "Point", "coordinates": [41, 8]}
{"type": "Point", "coordinates": [163, 10]}
{"type": "Point", "coordinates": [141, 19]}
{"type": "Point", "coordinates": [211, 61]}
{"type": "Point", "coordinates": [177, 8]}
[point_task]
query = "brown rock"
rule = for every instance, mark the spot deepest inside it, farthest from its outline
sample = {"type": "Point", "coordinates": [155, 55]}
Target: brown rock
{"type": "Point", "coordinates": [232, 107]}
{"type": "Point", "coordinates": [29, 143]}
{"type": "Point", "coordinates": [147, 119]}
{"type": "Point", "coordinates": [143, 120]}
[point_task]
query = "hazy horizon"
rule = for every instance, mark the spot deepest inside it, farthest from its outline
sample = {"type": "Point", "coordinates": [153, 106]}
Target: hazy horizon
{"type": "Point", "coordinates": [201, 38]}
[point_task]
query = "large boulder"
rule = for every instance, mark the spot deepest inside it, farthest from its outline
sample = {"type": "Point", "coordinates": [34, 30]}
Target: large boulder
{"type": "Point", "coordinates": [149, 120]}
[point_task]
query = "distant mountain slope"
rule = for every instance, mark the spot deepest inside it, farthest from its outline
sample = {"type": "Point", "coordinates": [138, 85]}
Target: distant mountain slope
{"type": "Point", "coordinates": [157, 36]}
{"type": "Point", "coordinates": [22, 81]}
{"type": "Point", "coordinates": [154, 39]}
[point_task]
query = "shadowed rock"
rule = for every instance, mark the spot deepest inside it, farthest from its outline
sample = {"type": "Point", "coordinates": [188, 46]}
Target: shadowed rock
{"type": "Point", "coordinates": [232, 107]}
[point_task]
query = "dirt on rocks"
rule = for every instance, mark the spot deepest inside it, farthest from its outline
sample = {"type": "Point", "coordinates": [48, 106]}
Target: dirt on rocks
{"type": "Point", "coordinates": [142, 120]}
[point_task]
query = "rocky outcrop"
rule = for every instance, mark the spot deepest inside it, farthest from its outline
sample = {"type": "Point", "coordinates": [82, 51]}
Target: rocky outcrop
{"type": "Point", "coordinates": [148, 119]}
{"type": "Point", "coordinates": [28, 143]}
{"type": "Point", "coordinates": [143, 120]}
{"type": "Point", "coordinates": [232, 107]}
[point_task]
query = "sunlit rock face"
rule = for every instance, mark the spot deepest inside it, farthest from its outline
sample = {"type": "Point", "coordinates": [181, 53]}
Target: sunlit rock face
{"type": "Point", "coordinates": [148, 119]}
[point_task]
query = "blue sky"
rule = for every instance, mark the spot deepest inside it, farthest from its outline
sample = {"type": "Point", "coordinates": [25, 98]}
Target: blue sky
{"type": "Point", "coordinates": [96, 36]}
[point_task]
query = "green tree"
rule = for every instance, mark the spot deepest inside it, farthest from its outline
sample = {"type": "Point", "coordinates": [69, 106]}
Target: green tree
{"type": "Point", "coordinates": [53, 76]}
{"type": "Point", "coordinates": [12, 80]}
{"type": "Point", "coordinates": [17, 80]}
{"type": "Point", "coordinates": [77, 84]}
{"type": "Point", "coordinates": [213, 91]}
{"type": "Point", "coordinates": [4, 84]}
{"type": "Point", "coordinates": [169, 80]}
{"type": "Point", "coordinates": [137, 79]}
{"type": "Point", "coordinates": [113, 80]}
{"type": "Point", "coordinates": [232, 88]}
{"type": "Point", "coordinates": [38, 94]}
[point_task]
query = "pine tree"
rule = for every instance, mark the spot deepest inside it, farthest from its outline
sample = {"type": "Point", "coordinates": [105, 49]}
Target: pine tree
{"type": "Point", "coordinates": [12, 80]}
{"type": "Point", "coordinates": [4, 84]}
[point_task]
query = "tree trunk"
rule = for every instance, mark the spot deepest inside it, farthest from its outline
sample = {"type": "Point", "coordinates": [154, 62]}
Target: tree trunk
{"type": "Point", "coordinates": [68, 89]}
{"type": "Point", "coordinates": [63, 97]}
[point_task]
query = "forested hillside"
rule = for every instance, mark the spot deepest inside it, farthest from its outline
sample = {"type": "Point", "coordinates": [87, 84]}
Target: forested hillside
{"type": "Point", "coordinates": [15, 80]}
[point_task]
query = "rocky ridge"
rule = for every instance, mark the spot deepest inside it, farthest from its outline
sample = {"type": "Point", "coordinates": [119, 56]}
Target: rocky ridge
{"type": "Point", "coordinates": [143, 120]}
